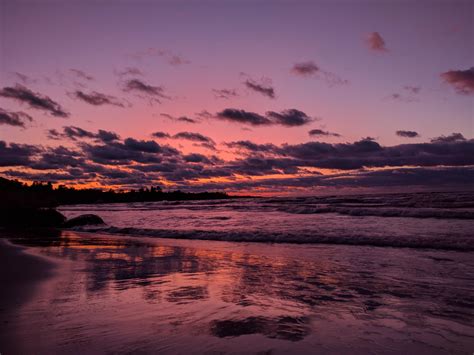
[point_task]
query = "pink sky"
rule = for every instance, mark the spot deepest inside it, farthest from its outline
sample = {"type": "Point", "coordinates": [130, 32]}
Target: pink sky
{"type": "Point", "coordinates": [372, 69]}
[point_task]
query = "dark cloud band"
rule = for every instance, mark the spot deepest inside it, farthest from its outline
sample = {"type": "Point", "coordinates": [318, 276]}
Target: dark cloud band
{"type": "Point", "coordinates": [288, 118]}
{"type": "Point", "coordinates": [407, 134]}
{"type": "Point", "coordinates": [34, 100]}
{"type": "Point", "coordinates": [97, 99]}
{"type": "Point", "coordinates": [16, 119]}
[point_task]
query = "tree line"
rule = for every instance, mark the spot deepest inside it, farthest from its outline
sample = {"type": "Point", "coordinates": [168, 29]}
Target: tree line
{"type": "Point", "coordinates": [14, 193]}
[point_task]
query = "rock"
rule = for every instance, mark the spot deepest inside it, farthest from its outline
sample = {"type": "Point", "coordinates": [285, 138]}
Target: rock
{"type": "Point", "coordinates": [83, 220]}
{"type": "Point", "coordinates": [30, 217]}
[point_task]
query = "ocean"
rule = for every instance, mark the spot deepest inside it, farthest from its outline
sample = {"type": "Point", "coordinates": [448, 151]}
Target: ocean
{"type": "Point", "coordinates": [383, 274]}
{"type": "Point", "coordinates": [414, 220]}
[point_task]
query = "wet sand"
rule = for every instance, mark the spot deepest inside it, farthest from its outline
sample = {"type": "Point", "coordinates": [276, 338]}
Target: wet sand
{"type": "Point", "coordinates": [21, 274]}
{"type": "Point", "coordinates": [113, 294]}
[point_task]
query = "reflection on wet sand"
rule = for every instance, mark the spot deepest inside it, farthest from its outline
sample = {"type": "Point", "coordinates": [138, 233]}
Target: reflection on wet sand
{"type": "Point", "coordinates": [133, 294]}
{"type": "Point", "coordinates": [287, 328]}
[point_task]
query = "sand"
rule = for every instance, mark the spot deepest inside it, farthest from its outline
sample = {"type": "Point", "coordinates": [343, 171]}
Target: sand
{"type": "Point", "coordinates": [20, 275]}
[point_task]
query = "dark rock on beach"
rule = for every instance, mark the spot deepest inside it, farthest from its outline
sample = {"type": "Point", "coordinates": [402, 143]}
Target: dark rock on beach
{"type": "Point", "coordinates": [83, 220]}
{"type": "Point", "coordinates": [43, 218]}
{"type": "Point", "coordinates": [30, 217]}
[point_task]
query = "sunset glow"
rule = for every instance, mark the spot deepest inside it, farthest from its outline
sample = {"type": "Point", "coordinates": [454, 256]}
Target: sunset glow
{"type": "Point", "coordinates": [246, 97]}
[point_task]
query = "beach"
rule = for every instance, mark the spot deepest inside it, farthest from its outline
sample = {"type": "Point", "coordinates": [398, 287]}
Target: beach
{"type": "Point", "coordinates": [100, 293]}
{"type": "Point", "coordinates": [22, 273]}
{"type": "Point", "coordinates": [236, 177]}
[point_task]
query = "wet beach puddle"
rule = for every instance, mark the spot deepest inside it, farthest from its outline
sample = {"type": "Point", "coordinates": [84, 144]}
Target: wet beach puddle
{"type": "Point", "coordinates": [122, 294]}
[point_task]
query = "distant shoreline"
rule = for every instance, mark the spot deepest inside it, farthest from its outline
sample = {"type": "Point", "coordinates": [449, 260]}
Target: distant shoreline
{"type": "Point", "coordinates": [228, 197]}
{"type": "Point", "coordinates": [15, 194]}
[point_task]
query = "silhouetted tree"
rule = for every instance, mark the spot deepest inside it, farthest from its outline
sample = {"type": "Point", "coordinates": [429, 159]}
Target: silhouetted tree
{"type": "Point", "coordinates": [40, 194]}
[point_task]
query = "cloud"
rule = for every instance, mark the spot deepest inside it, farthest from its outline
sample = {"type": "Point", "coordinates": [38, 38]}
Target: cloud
{"type": "Point", "coordinates": [107, 136]}
{"type": "Point", "coordinates": [407, 134]}
{"type": "Point", "coordinates": [261, 165]}
{"type": "Point", "coordinates": [142, 146]}
{"type": "Point", "coordinates": [201, 140]}
{"type": "Point", "coordinates": [112, 154]}
{"type": "Point", "coordinates": [404, 177]}
{"type": "Point", "coordinates": [160, 135]}
{"type": "Point", "coordinates": [133, 71]}
{"type": "Point", "coordinates": [453, 137]}
{"type": "Point", "coordinates": [252, 147]}
{"type": "Point", "coordinates": [289, 118]}
{"type": "Point", "coordinates": [207, 145]}
{"type": "Point", "coordinates": [143, 160]}
{"type": "Point", "coordinates": [153, 93]}
{"type": "Point", "coordinates": [263, 89]}
{"type": "Point", "coordinates": [25, 79]}
{"type": "Point", "coordinates": [135, 162]}
{"type": "Point", "coordinates": [58, 158]}
{"type": "Point", "coordinates": [402, 98]}
{"type": "Point", "coordinates": [305, 68]}
{"type": "Point", "coordinates": [409, 94]}
{"type": "Point", "coordinates": [321, 133]}
{"type": "Point", "coordinates": [461, 80]}
{"type": "Point", "coordinates": [199, 158]}
{"type": "Point", "coordinates": [398, 177]}
{"type": "Point", "coordinates": [16, 119]}
{"type": "Point", "coordinates": [53, 134]}
{"type": "Point", "coordinates": [185, 119]}
{"type": "Point", "coordinates": [412, 89]}
{"type": "Point", "coordinates": [368, 153]}
{"type": "Point", "coordinates": [357, 155]}
{"type": "Point", "coordinates": [376, 42]}
{"type": "Point", "coordinates": [170, 57]}
{"type": "Point", "coordinates": [204, 114]}
{"type": "Point", "coordinates": [131, 150]}
{"type": "Point", "coordinates": [310, 69]}
{"type": "Point", "coordinates": [192, 136]}
{"type": "Point", "coordinates": [241, 116]}
{"type": "Point", "coordinates": [74, 133]}
{"type": "Point", "coordinates": [53, 177]}
{"type": "Point", "coordinates": [179, 119]}
{"type": "Point", "coordinates": [174, 59]}
{"type": "Point", "coordinates": [17, 154]}
{"type": "Point", "coordinates": [81, 75]}
{"type": "Point", "coordinates": [34, 100]}
{"type": "Point", "coordinates": [224, 93]}
{"type": "Point", "coordinates": [97, 99]}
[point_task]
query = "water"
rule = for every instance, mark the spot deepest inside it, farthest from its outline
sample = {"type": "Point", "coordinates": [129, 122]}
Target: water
{"type": "Point", "coordinates": [384, 274]}
{"type": "Point", "coordinates": [149, 295]}
{"type": "Point", "coordinates": [416, 220]}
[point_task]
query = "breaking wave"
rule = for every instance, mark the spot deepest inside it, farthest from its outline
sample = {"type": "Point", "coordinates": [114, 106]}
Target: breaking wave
{"type": "Point", "coordinates": [439, 242]}
{"type": "Point", "coordinates": [384, 212]}
{"type": "Point", "coordinates": [410, 220]}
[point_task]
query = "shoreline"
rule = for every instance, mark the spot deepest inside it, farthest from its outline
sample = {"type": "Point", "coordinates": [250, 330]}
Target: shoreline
{"type": "Point", "coordinates": [22, 273]}
{"type": "Point", "coordinates": [33, 270]}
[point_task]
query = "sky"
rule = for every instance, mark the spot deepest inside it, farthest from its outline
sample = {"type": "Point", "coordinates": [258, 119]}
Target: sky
{"type": "Point", "coordinates": [260, 97]}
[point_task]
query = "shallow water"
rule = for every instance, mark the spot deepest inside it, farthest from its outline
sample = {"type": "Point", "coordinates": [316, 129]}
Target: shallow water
{"type": "Point", "coordinates": [415, 220]}
{"type": "Point", "coordinates": [123, 294]}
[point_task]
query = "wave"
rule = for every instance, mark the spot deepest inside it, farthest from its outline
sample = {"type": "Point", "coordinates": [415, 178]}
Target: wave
{"type": "Point", "coordinates": [453, 205]}
{"type": "Point", "coordinates": [382, 212]}
{"type": "Point", "coordinates": [349, 210]}
{"type": "Point", "coordinates": [445, 242]}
